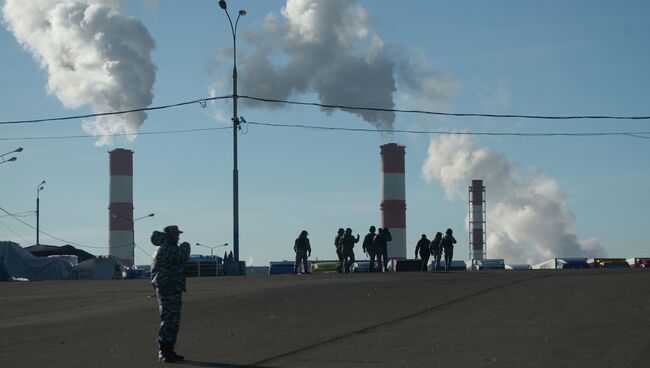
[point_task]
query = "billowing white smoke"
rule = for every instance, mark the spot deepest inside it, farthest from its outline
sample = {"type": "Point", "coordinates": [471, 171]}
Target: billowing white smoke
{"type": "Point", "coordinates": [528, 218]}
{"type": "Point", "coordinates": [327, 47]}
{"type": "Point", "coordinates": [93, 56]}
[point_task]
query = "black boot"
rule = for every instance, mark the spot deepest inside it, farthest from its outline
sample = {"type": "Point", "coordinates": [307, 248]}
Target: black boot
{"type": "Point", "coordinates": [176, 356]}
{"type": "Point", "coordinates": [165, 352]}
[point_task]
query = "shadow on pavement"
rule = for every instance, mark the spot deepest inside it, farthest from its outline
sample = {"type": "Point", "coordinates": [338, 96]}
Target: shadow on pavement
{"type": "Point", "coordinates": [211, 364]}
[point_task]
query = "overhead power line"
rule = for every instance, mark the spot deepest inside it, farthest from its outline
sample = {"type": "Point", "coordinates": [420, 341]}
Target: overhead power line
{"type": "Point", "coordinates": [426, 112]}
{"type": "Point", "coordinates": [204, 101]}
{"type": "Point", "coordinates": [442, 132]}
{"type": "Point", "coordinates": [59, 239]}
{"type": "Point", "coordinates": [14, 232]}
{"type": "Point", "coordinates": [58, 137]}
{"type": "Point", "coordinates": [644, 135]}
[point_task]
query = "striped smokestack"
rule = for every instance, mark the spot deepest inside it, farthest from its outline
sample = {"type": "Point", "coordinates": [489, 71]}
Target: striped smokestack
{"type": "Point", "coordinates": [477, 220]}
{"type": "Point", "coordinates": [120, 209]}
{"type": "Point", "coordinates": [393, 203]}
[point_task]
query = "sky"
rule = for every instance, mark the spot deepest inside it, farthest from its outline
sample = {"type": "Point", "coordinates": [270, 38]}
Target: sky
{"type": "Point", "coordinates": [552, 196]}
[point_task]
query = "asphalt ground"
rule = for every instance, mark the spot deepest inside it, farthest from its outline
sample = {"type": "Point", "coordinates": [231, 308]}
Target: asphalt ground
{"type": "Point", "coordinates": [567, 318]}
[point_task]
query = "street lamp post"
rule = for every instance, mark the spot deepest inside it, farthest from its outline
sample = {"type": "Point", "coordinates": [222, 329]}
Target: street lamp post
{"type": "Point", "coordinates": [236, 126]}
{"type": "Point", "coordinates": [212, 248]}
{"type": "Point", "coordinates": [38, 210]}
{"type": "Point", "coordinates": [11, 159]}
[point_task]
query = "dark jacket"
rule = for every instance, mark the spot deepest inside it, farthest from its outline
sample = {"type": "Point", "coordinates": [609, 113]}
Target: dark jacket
{"type": "Point", "coordinates": [422, 248]}
{"type": "Point", "coordinates": [302, 243]}
{"type": "Point", "coordinates": [380, 242]}
{"type": "Point", "coordinates": [448, 241]}
{"type": "Point", "coordinates": [347, 241]}
{"type": "Point", "coordinates": [436, 247]}
{"type": "Point", "coordinates": [368, 245]}
{"type": "Point", "coordinates": [337, 241]}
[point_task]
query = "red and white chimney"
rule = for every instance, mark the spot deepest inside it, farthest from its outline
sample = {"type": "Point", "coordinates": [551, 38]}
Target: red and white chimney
{"type": "Point", "coordinates": [393, 201]}
{"type": "Point", "coordinates": [477, 220]}
{"type": "Point", "coordinates": [120, 210]}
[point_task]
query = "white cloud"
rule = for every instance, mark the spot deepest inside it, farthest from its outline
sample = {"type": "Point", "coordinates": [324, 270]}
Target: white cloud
{"type": "Point", "coordinates": [93, 56]}
{"type": "Point", "coordinates": [528, 217]}
{"type": "Point", "coordinates": [329, 48]}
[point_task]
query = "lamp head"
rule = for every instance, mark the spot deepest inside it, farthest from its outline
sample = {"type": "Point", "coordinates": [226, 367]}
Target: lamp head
{"type": "Point", "coordinates": [19, 149]}
{"type": "Point", "coordinates": [222, 4]}
{"type": "Point", "coordinates": [43, 182]}
{"type": "Point", "coordinates": [12, 159]}
{"type": "Point", "coordinates": [242, 13]}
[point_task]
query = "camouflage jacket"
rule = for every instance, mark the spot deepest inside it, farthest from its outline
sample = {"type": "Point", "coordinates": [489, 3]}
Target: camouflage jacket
{"type": "Point", "coordinates": [168, 269]}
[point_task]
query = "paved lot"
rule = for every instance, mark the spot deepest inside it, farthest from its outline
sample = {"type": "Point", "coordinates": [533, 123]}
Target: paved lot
{"type": "Point", "coordinates": [595, 318]}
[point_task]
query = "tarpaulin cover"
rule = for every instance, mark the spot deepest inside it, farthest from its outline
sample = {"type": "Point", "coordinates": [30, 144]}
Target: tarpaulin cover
{"type": "Point", "coordinates": [100, 268]}
{"type": "Point", "coordinates": [21, 263]}
{"type": "Point", "coordinates": [43, 250]}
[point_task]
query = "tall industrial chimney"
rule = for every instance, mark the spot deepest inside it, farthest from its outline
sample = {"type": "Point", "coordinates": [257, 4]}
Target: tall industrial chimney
{"type": "Point", "coordinates": [393, 201]}
{"type": "Point", "coordinates": [477, 221]}
{"type": "Point", "coordinates": [120, 210]}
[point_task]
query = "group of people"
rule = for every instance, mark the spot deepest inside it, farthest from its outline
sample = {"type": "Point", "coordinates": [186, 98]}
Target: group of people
{"type": "Point", "coordinates": [375, 246]}
{"type": "Point", "coordinates": [168, 276]}
{"type": "Point", "coordinates": [426, 248]}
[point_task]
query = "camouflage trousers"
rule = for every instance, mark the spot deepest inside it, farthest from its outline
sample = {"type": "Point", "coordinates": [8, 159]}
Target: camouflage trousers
{"type": "Point", "coordinates": [169, 302]}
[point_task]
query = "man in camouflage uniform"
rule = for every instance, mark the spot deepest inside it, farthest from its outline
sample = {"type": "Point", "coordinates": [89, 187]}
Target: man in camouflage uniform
{"type": "Point", "coordinates": [347, 242]}
{"type": "Point", "coordinates": [168, 277]}
{"type": "Point", "coordinates": [303, 251]}
{"type": "Point", "coordinates": [381, 247]}
{"type": "Point", "coordinates": [339, 250]}
{"type": "Point", "coordinates": [369, 247]}
{"type": "Point", "coordinates": [447, 243]}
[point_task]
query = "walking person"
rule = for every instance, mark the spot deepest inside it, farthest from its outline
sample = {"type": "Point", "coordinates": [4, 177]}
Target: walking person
{"type": "Point", "coordinates": [422, 248]}
{"type": "Point", "coordinates": [339, 250]}
{"type": "Point", "coordinates": [347, 243]}
{"type": "Point", "coordinates": [369, 248]}
{"type": "Point", "coordinates": [168, 277]}
{"type": "Point", "coordinates": [436, 251]}
{"type": "Point", "coordinates": [303, 250]}
{"type": "Point", "coordinates": [448, 242]}
{"type": "Point", "coordinates": [381, 247]}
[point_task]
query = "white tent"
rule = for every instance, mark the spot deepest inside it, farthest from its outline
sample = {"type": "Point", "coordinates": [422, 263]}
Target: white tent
{"type": "Point", "coordinates": [22, 264]}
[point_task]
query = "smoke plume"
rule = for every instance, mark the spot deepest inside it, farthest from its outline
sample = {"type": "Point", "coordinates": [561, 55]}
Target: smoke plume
{"type": "Point", "coordinates": [328, 48]}
{"type": "Point", "coordinates": [93, 56]}
{"type": "Point", "coordinates": [528, 217]}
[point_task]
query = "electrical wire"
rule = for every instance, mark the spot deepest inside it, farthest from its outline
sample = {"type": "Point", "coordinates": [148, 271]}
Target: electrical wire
{"type": "Point", "coordinates": [15, 233]}
{"type": "Point", "coordinates": [325, 128]}
{"type": "Point", "coordinates": [60, 239]}
{"type": "Point", "coordinates": [202, 102]}
{"type": "Point", "coordinates": [321, 127]}
{"type": "Point", "coordinates": [58, 137]}
{"type": "Point", "coordinates": [20, 214]}
{"type": "Point", "coordinates": [426, 112]}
